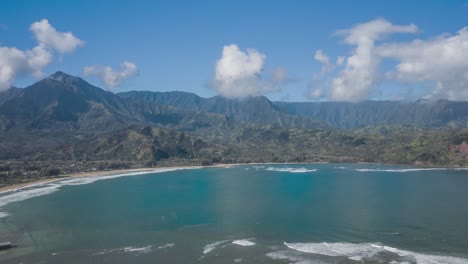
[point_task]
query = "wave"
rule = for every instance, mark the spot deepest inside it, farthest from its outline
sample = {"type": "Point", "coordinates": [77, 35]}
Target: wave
{"type": "Point", "coordinates": [223, 243]}
{"type": "Point", "coordinates": [244, 242]}
{"type": "Point", "coordinates": [3, 214]}
{"type": "Point", "coordinates": [409, 170]}
{"type": "Point", "coordinates": [142, 250]}
{"type": "Point", "coordinates": [292, 170]}
{"type": "Point", "coordinates": [168, 245]}
{"type": "Point", "coordinates": [210, 247]}
{"type": "Point", "coordinates": [368, 251]}
{"type": "Point", "coordinates": [24, 194]}
{"type": "Point", "coordinates": [41, 189]}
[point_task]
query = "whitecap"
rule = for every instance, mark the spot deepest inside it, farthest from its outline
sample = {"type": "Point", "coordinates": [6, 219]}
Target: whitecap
{"type": "Point", "coordinates": [244, 242]}
{"type": "Point", "coordinates": [3, 214]}
{"type": "Point", "coordinates": [210, 247]}
{"type": "Point", "coordinates": [142, 250]}
{"type": "Point", "coordinates": [166, 246]}
{"type": "Point", "coordinates": [362, 251]}
{"type": "Point", "coordinates": [292, 170]}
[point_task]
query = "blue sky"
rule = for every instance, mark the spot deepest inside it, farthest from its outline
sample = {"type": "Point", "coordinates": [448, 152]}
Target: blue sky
{"type": "Point", "coordinates": [175, 45]}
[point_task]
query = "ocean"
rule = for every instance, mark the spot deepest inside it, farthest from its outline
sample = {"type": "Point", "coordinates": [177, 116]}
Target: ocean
{"type": "Point", "coordinates": [279, 213]}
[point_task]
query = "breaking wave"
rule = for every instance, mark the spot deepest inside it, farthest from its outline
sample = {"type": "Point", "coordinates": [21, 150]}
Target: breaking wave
{"type": "Point", "coordinates": [367, 251]}
{"type": "Point", "coordinates": [223, 243]}
{"type": "Point", "coordinates": [210, 247]}
{"type": "Point", "coordinates": [40, 189]}
{"type": "Point", "coordinates": [166, 246]}
{"type": "Point", "coordinates": [292, 170]}
{"type": "Point", "coordinates": [244, 242]}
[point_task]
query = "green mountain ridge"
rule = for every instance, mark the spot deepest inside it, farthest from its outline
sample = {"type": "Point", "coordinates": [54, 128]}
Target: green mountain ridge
{"type": "Point", "coordinates": [421, 113]}
{"type": "Point", "coordinates": [65, 119]}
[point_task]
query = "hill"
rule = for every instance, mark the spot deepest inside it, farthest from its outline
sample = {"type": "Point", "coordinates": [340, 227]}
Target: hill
{"type": "Point", "coordinates": [64, 124]}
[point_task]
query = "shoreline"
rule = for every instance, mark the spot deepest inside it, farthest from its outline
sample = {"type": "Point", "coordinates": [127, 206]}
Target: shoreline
{"type": "Point", "coordinates": [19, 186]}
{"type": "Point", "coordinates": [101, 173]}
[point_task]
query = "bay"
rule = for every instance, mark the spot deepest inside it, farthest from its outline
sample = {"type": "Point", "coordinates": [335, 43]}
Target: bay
{"type": "Point", "coordinates": [288, 213]}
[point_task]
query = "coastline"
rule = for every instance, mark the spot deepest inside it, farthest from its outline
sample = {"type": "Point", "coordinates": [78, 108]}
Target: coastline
{"type": "Point", "coordinates": [19, 186]}
{"type": "Point", "coordinates": [103, 173]}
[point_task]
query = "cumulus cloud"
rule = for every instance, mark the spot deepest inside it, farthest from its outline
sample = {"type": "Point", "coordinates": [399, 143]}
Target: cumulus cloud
{"type": "Point", "coordinates": [63, 42]}
{"type": "Point", "coordinates": [437, 63]}
{"type": "Point", "coordinates": [14, 61]}
{"type": "Point", "coordinates": [441, 61]}
{"type": "Point", "coordinates": [112, 78]}
{"type": "Point", "coordinates": [238, 73]}
{"type": "Point", "coordinates": [356, 81]}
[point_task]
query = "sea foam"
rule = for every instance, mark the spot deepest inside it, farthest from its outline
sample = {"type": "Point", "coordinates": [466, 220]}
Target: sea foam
{"type": "Point", "coordinates": [168, 245]}
{"type": "Point", "coordinates": [244, 242]}
{"type": "Point", "coordinates": [292, 170]}
{"type": "Point", "coordinates": [40, 189]}
{"type": "Point", "coordinates": [223, 243]}
{"type": "Point", "coordinates": [363, 251]}
{"type": "Point", "coordinates": [210, 247]}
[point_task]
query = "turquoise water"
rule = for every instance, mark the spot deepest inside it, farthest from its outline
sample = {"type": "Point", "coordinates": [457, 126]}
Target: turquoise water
{"type": "Point", "coordinates": [312, 213]}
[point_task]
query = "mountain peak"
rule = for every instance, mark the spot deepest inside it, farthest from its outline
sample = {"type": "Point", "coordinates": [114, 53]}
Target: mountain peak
{"type": "Point", "coordinates": [60, 76]}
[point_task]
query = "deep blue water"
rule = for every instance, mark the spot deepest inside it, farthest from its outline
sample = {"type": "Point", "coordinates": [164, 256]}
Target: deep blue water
{"type": "Point", "coordinates": [307, 213]}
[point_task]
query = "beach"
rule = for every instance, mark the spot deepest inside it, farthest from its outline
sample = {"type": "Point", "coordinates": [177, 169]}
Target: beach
{"type": "Point", "coordinates": [19, 186]}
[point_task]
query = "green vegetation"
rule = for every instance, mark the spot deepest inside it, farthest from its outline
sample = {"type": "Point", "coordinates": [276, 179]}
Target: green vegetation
{"type": "Point", "coordinates": [63, 125]}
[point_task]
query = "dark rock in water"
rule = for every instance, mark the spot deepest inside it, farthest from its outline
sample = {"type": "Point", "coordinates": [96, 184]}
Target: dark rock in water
{"type": "Point", "coordinates": [5, 245]}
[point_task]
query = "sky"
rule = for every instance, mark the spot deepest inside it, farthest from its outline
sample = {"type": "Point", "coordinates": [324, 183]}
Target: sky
{"type": "Point", "coordinates": [286, 50]}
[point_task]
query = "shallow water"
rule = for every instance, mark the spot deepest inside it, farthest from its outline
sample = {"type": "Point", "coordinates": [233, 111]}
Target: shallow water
{"type": "Point", "coordinates": [312, 213]}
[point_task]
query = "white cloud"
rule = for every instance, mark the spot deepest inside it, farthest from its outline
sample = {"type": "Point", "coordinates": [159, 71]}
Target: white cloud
{"type": "Point", "coordinates": [110, 77]}
{"type": "Point", "coordinates": [63, 42]}
{"type": "Point", "coordinates": [238, 73]}
{"type": "Point", "coordinates": [356, 81]}
{"type": "Point", "coordinates": [438, 64]}
{"type": "Point", "coordinates": [442, 61]}
{"type": "Point", "coordinates": [14, 61]}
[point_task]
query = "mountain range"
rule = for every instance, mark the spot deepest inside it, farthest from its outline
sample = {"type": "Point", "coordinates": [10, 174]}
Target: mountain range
{"type": "Point", "coordinates": [63, 117]}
